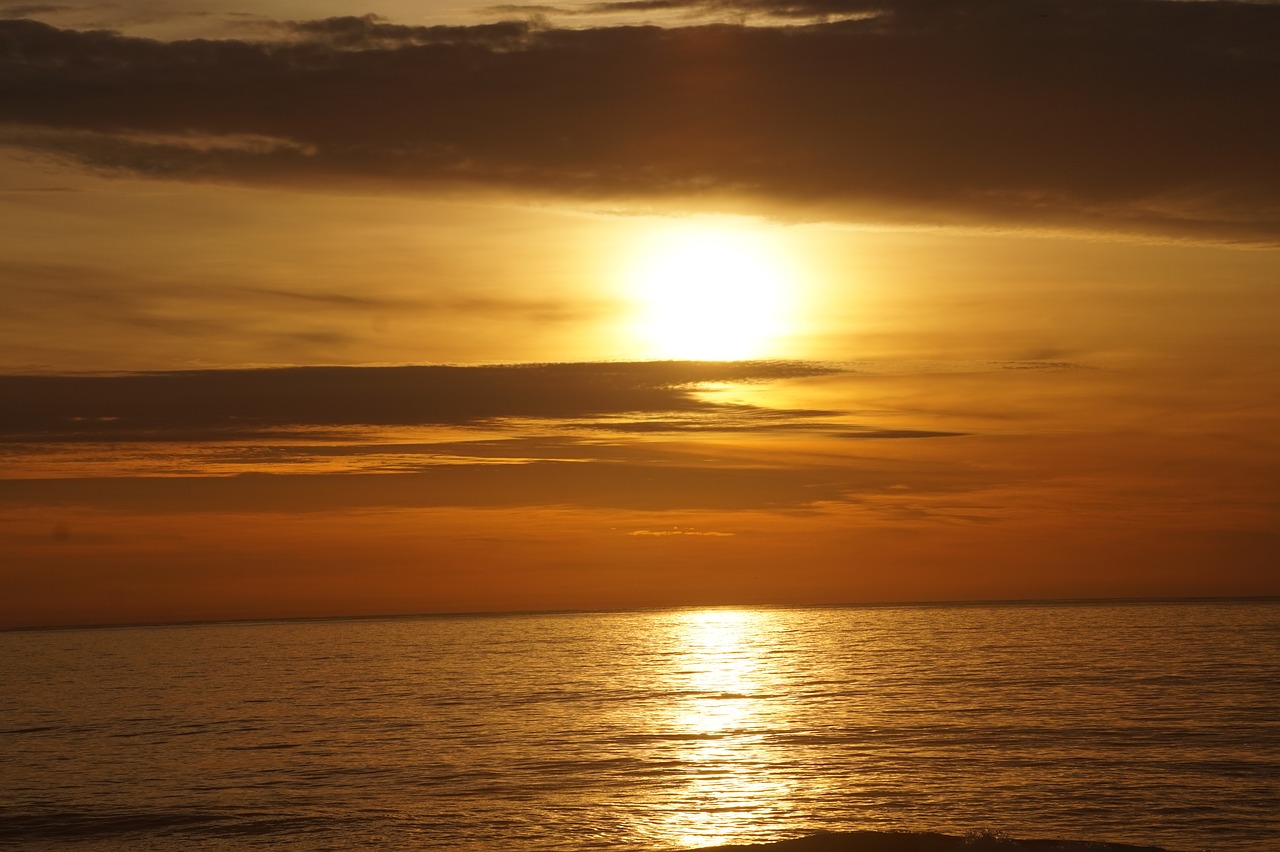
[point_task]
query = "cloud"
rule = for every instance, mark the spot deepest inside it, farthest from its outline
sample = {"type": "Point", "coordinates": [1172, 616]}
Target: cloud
{"type": "Point", "coordinates": [677, 531]}
{"type": "Point", "coordinates": [366, 32]}
{"type": "Point", "coordinates": [1135, 116]}
{"type": "Point", "coordinates": [899, 433]}
{"type": "Point", "coordinates": [327, 438]}
{"type": "Point", "coordinates": [24, 10]}
{"type": "Point", "coordinates": [141, 299]}
{"type": "Point", "coordinates": [640, 486]}
{"type": "Point", "coordinates": [813, 10]}
{"type": "Point", "coordinates": [225, 404]}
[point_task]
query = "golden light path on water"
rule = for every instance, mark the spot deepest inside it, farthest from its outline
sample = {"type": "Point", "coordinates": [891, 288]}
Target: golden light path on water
{"type": "Point", "coordinates": [723, 722]}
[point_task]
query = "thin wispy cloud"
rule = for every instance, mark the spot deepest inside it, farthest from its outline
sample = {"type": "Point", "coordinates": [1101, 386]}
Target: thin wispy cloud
{"type": "Point", "coordinates": [543, 484]}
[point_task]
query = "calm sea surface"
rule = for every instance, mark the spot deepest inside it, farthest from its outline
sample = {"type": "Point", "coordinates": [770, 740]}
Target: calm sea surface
{"type": "Point", "coordinates": [1155, 723]}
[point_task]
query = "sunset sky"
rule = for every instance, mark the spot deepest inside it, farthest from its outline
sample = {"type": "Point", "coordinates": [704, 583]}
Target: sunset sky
{"type": "Point", "coordinates": [317, 309]}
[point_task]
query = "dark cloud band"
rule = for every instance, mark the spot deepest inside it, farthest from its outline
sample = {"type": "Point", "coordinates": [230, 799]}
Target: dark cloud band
{"type": "Point", "coordinates": [206, 404]}
{"type": "Point", "coordinates": [1135, 115]}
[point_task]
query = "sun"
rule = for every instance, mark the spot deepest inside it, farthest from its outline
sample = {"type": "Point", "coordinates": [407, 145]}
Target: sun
{"type": "Point", "coordinates": [709, 292]}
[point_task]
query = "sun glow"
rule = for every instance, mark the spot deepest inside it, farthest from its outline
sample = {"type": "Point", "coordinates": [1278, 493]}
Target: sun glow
{"type": "Point", "coordinates": [710, 292]}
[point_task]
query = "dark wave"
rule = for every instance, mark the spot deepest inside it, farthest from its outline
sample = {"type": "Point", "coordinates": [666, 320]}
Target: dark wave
{"type": "Point", "coordinates": [916, 841]}
{"type": "Point", "coordinates": [74, 825]}
{"type": "Point", "coordinates": [158, 829]}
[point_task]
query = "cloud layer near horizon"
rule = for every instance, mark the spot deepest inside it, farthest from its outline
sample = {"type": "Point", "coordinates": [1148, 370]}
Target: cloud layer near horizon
{"type": "Point", "coordinates": [235, 403]}
{"type": "Point", "coordinates": [207, 493]}
{"type": "Point", "coordinates": [1139, 116]}
{"type": "Point", "coordinates": [323, 438]}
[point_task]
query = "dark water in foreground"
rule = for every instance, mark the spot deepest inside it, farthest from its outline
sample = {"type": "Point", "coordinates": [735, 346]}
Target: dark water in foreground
{"type": "Point", "coordinates": [1146, 723]}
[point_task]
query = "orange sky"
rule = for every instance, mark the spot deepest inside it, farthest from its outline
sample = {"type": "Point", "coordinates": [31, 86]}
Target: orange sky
{"type": "Point", "coordinates": [334, 315]}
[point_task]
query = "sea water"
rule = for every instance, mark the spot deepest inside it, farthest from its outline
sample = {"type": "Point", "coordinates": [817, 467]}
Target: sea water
{"type": "Point", "coordinates": [1142, 722]}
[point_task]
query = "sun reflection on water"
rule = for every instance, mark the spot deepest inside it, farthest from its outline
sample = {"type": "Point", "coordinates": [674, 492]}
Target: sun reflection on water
{"type": "Point", "coordinates": [721, 724]}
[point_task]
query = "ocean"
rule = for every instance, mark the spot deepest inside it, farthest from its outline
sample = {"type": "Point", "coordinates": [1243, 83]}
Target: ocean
{"type": "Point", "coordinates": [1143, 722]}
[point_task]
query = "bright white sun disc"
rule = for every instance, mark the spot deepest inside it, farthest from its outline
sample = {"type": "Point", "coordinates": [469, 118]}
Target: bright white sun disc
{"type": "Point", "coordinates": [709, 294]}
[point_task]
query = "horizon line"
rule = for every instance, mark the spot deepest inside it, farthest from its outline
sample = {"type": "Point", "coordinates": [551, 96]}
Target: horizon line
{"type": "Point", "coordinates": [389, 616]}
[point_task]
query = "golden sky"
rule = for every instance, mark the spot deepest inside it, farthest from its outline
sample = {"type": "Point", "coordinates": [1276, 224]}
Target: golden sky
{"type": "Point", "coordinates": [311, 311]}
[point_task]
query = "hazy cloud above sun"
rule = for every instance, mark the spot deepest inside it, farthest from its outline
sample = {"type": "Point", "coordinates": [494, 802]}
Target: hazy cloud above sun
{"type": "Point", "coordinates": [1133, 116]}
